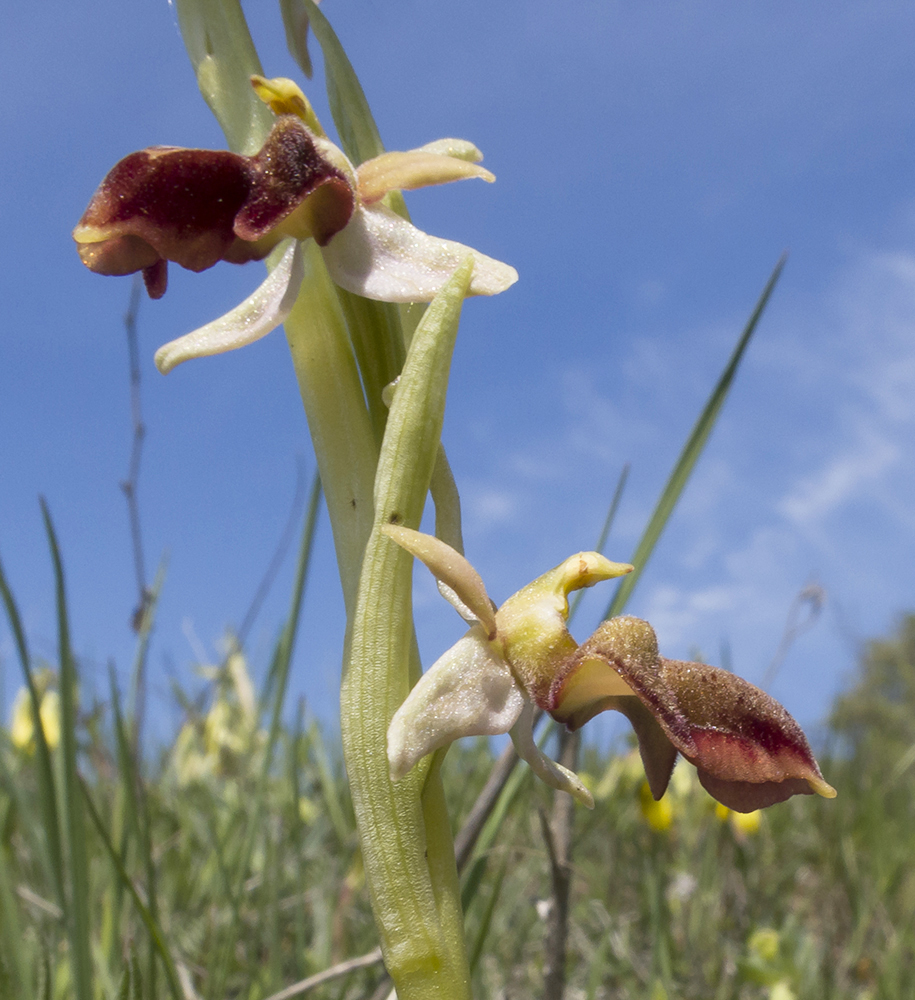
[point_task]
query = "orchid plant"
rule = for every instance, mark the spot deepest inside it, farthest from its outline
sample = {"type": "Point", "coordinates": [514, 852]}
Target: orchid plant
{"type": "Point", "coordinates": [345, 266]}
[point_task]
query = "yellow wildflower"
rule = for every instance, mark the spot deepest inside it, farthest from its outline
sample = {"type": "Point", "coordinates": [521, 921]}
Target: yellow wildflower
{"type": "Point", "coordinates": [22, 727]}
{"type": "Point", "coordinates": [659, 814]}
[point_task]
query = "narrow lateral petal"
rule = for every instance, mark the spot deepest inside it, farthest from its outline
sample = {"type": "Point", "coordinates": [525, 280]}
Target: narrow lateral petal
{"type": "Point", "coordinates": [254, 318]}
{"type": "Point", "coordinates": [469, 691]}
{"type": "Point", "coordinates": [449, 567]}
{"type": "Point", "coordinates": [548, 771]}
{"type": "Point", "coordinates": [407, 171]}
{"type": "Point", "coordinates": [381, 256]}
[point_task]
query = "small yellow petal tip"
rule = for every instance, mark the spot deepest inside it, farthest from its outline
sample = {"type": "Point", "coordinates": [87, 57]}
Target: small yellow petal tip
{"type": "Point", "coordinates": [584, 569]}
{"type": "Point", "coordinates": [284, 97]}
{"type": "Point", "coordinates": [822, 787]}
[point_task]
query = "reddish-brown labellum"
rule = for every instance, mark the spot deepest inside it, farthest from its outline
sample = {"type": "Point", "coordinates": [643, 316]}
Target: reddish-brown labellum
{"type": "Point", "coordinates": [749, 752]}
{"type": "Point", "coordinates": [197, 206]}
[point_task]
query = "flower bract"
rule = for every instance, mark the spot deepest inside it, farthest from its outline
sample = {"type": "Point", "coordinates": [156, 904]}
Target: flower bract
{"type": "Point", "coordinates": [748, 751]}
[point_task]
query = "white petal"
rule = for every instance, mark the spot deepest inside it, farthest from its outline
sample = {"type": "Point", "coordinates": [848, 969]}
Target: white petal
{"type": "Point", "coordinates": [254, 318]}
{"type": "Point", "coordinates": [469, 691]}
{"type": "Point", "coordinates": [381, 256]}
{"type": "Point", "coordinates": [555, 775]}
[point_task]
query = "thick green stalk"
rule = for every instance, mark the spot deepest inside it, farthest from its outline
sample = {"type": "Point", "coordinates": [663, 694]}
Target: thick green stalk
{"type": "Point", "coordinates": [334, 403]}
{"type": "Point", "coordinates": [406, 844]}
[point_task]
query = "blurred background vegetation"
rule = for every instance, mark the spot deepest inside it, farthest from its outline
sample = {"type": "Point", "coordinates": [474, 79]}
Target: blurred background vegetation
{"type": "Point", "coordinates": [225, 863]}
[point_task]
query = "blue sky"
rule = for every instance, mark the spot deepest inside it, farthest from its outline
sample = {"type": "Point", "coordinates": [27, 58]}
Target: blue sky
{"type": "Point", "coordinates": [653, 161]}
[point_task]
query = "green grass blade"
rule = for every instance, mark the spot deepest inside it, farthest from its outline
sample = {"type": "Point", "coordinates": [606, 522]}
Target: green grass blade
{"type": "Point", "coordinates": [47, 790]}
{"type": "Point", "coordinates": [479, 942]}
{"type": "Point", "coordinates": [518, 780]}
{"type": "Point", "coordinates": [605, 530]}
{"type": "Point", "coordinates": [282, 660]}
{"type": "Point", "coordinates": [79, 923]}
{"type": "Point", "coordinates": [136, 806]}
{"type": "Point", "coordinates": [330, 787]}
{"type": "Point", "coordinates": [45, 978]}
{"type": "Point", "coordinates": [693, 448]}
{"type": "Point", "coordinates": [355, 125]}
{"type": "Point", "coordinates": [128, 737]}
{"type": "Point", "coordinates": [13, 959]}
{"type": "Point", "coordinates": [152, 926]}
{"type": "Point", "coordinates": [286, 645]}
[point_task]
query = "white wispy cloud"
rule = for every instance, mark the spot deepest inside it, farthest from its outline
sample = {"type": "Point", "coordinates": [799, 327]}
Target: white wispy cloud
{"type": "Point", "coordinates": [842, 480]}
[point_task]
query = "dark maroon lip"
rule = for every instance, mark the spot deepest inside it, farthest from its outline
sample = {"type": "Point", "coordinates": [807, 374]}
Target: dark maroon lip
{"type": "Point", "coordinates": [196, 207]}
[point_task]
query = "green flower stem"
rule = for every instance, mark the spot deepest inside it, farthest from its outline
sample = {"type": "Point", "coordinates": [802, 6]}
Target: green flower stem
{"type": "Point", "coordinates": [378, 344]}
{"type": "Point", "coordinates": [224, 58]}
{"type": "Point", "coordinates": [406, 845]}
{"type": "Point", "coordinates": [344, 441]}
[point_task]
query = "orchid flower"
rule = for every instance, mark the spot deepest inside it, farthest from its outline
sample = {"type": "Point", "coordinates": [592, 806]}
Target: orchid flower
{"type": "Point", "coordinates": [748, 751]}
{"type": "Point", "coordinates": [196, 207]}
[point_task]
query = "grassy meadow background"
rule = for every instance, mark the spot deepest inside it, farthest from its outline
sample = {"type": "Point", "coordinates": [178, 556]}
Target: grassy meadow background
{"type": "Point", "coordinates": [224, 862]}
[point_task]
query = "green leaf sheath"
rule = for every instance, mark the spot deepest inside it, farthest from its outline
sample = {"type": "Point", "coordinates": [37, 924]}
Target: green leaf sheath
{"type": "Point", "coordinates": [424, 950]}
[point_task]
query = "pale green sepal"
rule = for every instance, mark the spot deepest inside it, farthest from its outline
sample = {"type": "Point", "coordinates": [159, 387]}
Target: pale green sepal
{"type": "Point", "coordinates": [463, 588]}
{"type": "Point", "coordinates": [254, 318]}
{"type": "Point", "coordinates": [469, 691]}
{"type": "Point", "coordinates": [548, 771]}
{"type": "Point", "coordinates": [381, 256]}
{"type": "Point", "coordinates": [217, 39]}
